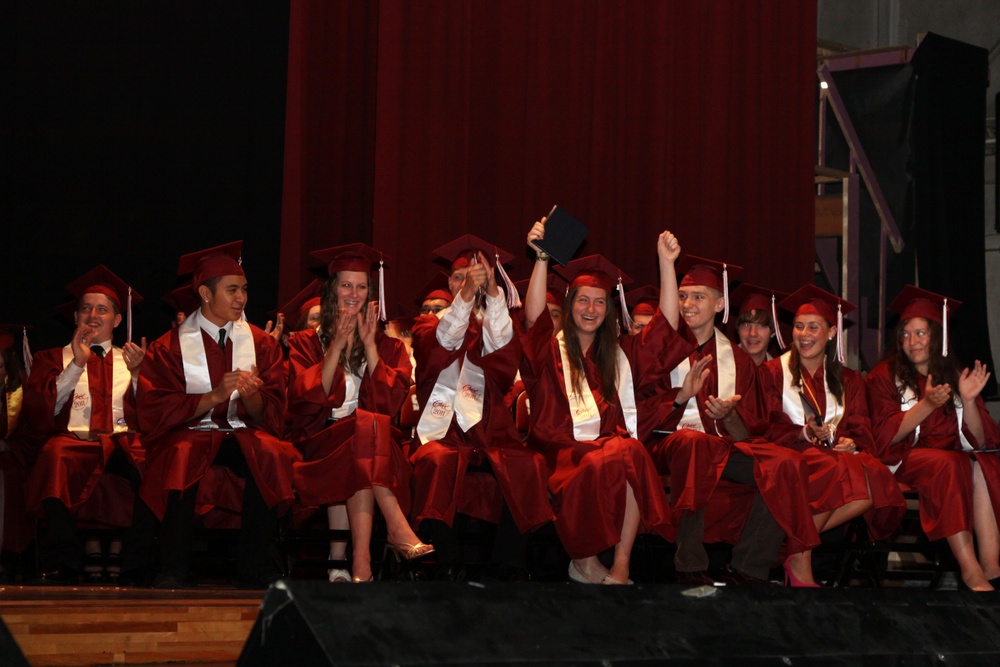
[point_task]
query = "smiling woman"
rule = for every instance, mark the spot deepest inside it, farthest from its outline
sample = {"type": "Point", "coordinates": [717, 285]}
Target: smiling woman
{"type": "Point", "coordinates": [928, 419]}
{"type": "Point", "coordinates": [817, 407]}
{"type": "Point", "coordinates": [584, 419]}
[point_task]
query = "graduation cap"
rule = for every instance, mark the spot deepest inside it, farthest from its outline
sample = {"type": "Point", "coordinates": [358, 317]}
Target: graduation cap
{"type": "Point", "coordinates": [205, 265]}
{"type": "Point", "coordinates": [915, 302]}
{"type": "Point", "coordinates": [464, 251]}
{"type": "Point", "coordinates": [8, 339]}
{"type": "Point", "coordinates": [708, 273]}
{"type": "Point", "coordinates": [564, 235]}
{"type": "Point", "coordinates": [102, 280]}
{"type": "Point", "coordinates": [752, 297]}
{"type": "Point", "coordinates": [8, 335]}
{"type": "Point", "coordinates": [598, 271]}
{"type": "Point", "coordinates": [555, 289]}
{"type": "Point", "coordinates": [643, 300]}
{"type": "Point", "coordinates": [181, 300]}
{"type": "Point", "coordinates": [435, 288]}
{"type": "Point", "coordinates": [359, 257]}
{"type": "Point", "coordinates": [300, 304]}
{"type": "Point", "coordinates": [812, 300]}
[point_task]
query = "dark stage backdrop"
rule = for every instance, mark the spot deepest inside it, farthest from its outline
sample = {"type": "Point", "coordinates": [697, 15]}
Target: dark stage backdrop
{"type": "Point", "coordinates": [134, 132]}
{"type": "Point", "coordinates": [410, 123]}
{"type": "Point", "coordinates": [139, 131]}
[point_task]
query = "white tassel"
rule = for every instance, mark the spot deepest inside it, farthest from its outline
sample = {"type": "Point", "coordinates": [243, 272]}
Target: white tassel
{"type": "Point", "coordinates": [944, 321]}
{"type": "Point", "coordinates": [513, 298]}
{"type": "Point", "coordinates": [26, 352]}
{"type": "Point", "coordinates": [774, 321]}
{"type": "Point", "coordinates": [725, 292]}
{"type": "Point", "coordinates": [128, 317]}
{"type": "Point", "coordinates": [626, 318]}
{"type": "Point", "coordinates": [381, 290]}
{"type": "Point", "coordinates": [840, 334]}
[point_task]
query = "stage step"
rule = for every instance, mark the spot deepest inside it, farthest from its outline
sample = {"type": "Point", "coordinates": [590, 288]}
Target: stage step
{"type": "Point", "coordinates": [107, 625]}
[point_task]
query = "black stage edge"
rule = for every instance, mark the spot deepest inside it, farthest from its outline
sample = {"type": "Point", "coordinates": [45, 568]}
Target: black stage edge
{"type": "Point", "coordinates": [313, 623]}
{"type": "Point", "coordinates": [10, 652]}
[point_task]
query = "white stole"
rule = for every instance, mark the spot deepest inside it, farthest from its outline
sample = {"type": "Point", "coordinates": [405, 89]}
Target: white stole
{"type": "Point", "coordinates": [583, 408]}
{"type": "Point", "coordinates": [910, 399]}
{"type": "Point", "coordinates": [791, 399]}
{"type": "Point", "coordinates": [197, 378]}
{"type": "Point", "coordinates": [81, 404]}
{"type": "Point", "coordinates": [460, 390]}
{"type": "Point", "coordinates": [725, 380]}
{"type": "Point", "coordinates": [352, 390]}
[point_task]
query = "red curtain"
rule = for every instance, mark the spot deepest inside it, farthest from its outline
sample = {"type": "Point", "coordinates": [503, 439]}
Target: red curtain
{"type": "Point", "coordinates": [413, 122]}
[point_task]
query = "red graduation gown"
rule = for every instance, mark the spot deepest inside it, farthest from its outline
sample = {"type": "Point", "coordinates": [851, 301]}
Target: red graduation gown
{"type": "Point", "coordinates": [68, 468]}
{"type": "Point", "coordinates": [442, 484]}
{"type": "Point", "coordinates": [935, 466]}
{"type": "Point", "coordinates": [837, 478]}
{"type": "Point", "coordinates": [18, 527]}
{"type": "Point", "coordinates": [356, 451]}
{"type": "Point", "coordinates": [695, 461]}
{"type": "Point", "coordinates": [587, 479]}
{"type": "Point", "coordinates": [178, 457]}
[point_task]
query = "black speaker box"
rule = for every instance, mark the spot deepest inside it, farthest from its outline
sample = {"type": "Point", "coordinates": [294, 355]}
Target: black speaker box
{"type": "Point", "coordinates": [425, 623]}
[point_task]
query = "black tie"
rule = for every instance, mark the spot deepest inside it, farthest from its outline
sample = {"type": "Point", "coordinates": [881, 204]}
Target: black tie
{"type": "Point", "coordinates": [222, 340]}
{"type": "Point", "coordinates": [98, 350]}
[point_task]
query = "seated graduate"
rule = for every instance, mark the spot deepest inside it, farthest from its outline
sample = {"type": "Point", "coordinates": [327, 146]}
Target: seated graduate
{"type": "Point", "coordinates": [81, 400]}
{"type": "Point", "coordinates": [347, 379]}
{"type": "Point", "coordinates": [583, 408]}
{"type": "Point", "coordinates": [212, 393]}
{"type": "Point", "coordinates": [929, 419]}
{"type": "Point", "coordinates": [17, 529]}
{"type": "Point", "coordinates": [710, 407]}
{"type": "Point", "coordinates": [757, 321]}
{"type": "Point", "coordinates": [467, 356]}
{"type": "Point", "coordinates": [818, 407]}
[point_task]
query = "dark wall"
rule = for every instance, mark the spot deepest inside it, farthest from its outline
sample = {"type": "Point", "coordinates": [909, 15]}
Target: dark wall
{"type": "Point", "coordinates": [134, 132]}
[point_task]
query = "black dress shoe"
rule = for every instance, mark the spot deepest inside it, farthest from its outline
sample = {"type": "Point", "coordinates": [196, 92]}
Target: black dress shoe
{"type": "Point", "coordinates": [733, 577]}
{"type": "Point", "coordinates": [59, 576]}
{"type": "Point", "coordinates": [699, 578]}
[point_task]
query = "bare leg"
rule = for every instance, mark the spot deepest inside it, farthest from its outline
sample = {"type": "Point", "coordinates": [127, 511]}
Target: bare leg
{"type": "Point", "coordinates": [361, 514]}
{"type": "Point", "coordinates": [630, 526]}
{"type": "Point", "coordinates": [965, 553]}
{"type": "Point", "coordinates": [397, 527]}
{"type": "Point", "coordinates": [985, 524]}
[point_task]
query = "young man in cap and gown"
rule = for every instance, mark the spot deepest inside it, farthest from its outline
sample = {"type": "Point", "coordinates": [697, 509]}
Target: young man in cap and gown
{"type": "Point", "coordinates": [709, 406]}
{"type": "Point", "coordinates": [467, 357]}
{"type": "Point", "coordinates": [212, 391]}
{"type": "Point", "coordinates": [81, 400]}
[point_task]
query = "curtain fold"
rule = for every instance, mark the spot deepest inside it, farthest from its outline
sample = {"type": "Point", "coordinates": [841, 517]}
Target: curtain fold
{"type": "Point", "coordinates": [411, 123]}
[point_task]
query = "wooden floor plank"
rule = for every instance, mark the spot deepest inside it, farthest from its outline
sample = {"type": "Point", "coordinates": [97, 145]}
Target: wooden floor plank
{"type": "Point", "coordinates": [106, 625]}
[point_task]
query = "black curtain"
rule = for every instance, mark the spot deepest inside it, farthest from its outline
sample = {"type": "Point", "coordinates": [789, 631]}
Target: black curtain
{"type": "Point", "coordinates": [949, 171]}
{"type": "Point", "coordinates": [134, 132]}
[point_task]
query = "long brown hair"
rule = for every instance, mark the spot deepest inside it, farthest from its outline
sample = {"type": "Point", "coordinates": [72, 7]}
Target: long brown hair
{"type": "Point", "coordinates": [944, 369]}
{"type": "Point", "coordinates": [350, 359]}
{"type": "Point", "coordinates": [832, 369]}
{"type": "Point", "coordinates": [605, 347]}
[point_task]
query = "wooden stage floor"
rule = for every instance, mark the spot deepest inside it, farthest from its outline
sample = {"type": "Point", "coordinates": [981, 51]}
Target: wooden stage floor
{"type": "Point", "coordinates": [100, 625]}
